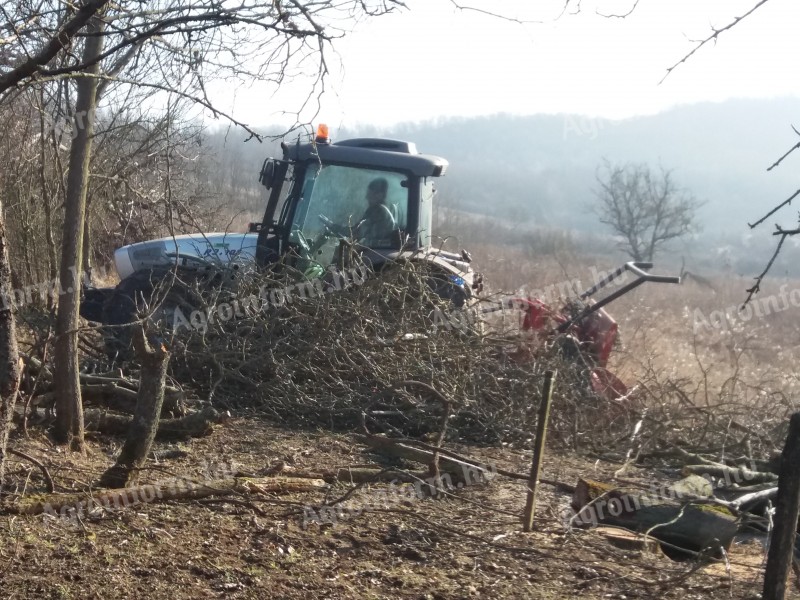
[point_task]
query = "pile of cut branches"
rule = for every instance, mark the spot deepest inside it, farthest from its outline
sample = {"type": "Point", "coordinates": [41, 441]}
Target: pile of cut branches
{"type": "Point", "coordinates": [740, 418]}
{"type": "Point", "coordinates": [350, 350]}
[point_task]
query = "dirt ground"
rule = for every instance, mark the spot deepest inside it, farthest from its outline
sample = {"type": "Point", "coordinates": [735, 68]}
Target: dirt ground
{"type": "Point", "coordinates": [469, 544]}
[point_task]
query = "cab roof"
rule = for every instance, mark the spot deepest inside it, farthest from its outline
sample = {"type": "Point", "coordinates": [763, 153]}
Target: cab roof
{"type": "Point", "coordinates": [381, 153]}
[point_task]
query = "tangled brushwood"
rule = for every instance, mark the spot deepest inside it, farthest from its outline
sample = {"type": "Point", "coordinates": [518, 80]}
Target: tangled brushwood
{"type": "Point", "coordinates": [386, 350]}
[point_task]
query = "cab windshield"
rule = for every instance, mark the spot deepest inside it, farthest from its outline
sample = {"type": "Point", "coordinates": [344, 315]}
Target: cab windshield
{"type": "Point", "coordinates": [365, 205]}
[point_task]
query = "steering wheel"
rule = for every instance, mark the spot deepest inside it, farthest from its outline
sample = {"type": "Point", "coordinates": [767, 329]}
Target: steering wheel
{"type": "Point", "coordinates": [331, 228]}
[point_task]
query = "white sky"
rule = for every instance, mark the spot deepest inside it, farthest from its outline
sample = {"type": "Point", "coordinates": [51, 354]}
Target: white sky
{"type": "Point", "coordinates": [433, 60]}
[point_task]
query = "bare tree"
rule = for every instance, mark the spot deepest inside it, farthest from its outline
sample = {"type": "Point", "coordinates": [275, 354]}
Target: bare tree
{"type": "Point", "coordinates": [171, 46]}
{"type": "Point", "coordinates": [644, 208]}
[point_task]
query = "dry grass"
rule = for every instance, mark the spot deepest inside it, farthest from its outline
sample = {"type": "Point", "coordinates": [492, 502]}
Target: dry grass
{"type": "Point", "coordinates": [694, 356]}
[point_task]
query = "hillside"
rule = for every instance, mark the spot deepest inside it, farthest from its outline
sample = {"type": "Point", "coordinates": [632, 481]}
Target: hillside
{"type": "Point", "coordinates": [540, 171]}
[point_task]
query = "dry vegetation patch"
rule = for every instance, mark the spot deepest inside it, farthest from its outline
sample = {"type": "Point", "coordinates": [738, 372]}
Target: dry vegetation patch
{"type": "Point", "coordinates": [467, 544]}
{"type": "Point", "coordinates": [389, 355]}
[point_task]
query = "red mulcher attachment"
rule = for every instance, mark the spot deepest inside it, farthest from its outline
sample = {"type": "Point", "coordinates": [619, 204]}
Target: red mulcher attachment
{"type": "Point", "coordinates": [585, 320]}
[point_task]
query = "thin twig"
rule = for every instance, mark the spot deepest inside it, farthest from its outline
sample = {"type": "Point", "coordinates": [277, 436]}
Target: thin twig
{"type": "Point", "coordinates": [774, 210]}
{"type": "Point", "coordinates": [47, 478]}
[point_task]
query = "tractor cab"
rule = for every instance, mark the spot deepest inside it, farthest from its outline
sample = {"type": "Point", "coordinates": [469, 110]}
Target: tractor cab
{"type": "Point", "coordinates": [368, 195]}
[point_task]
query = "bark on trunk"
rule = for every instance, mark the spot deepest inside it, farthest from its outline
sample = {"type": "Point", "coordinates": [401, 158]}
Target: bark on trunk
{"type": "Point", "coordinates": [87, 270]}
{"type": "Point", "coordinates": [9, 355]}
{"type": "Point", "coordinates": [143, 428]}
{"type": "Point", "coordinates": [69, 408]}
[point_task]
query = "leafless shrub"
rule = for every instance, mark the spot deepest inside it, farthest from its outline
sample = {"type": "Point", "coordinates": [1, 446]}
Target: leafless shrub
{"type": "Point", "coordinates": [720, 408]}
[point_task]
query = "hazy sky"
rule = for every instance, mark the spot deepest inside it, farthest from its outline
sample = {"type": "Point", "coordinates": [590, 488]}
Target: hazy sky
{"type": "Point", "coordinates": [433, 60]}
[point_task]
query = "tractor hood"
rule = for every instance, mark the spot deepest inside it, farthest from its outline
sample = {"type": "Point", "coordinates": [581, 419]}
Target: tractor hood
{"type": "Point", "coordinates": [193, 251]}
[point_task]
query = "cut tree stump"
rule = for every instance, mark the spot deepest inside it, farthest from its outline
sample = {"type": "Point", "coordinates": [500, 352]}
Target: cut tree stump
{"type": "Point", "coordinates": [154, 358]}
{"type": "Point", "coordinates": [686, 527]}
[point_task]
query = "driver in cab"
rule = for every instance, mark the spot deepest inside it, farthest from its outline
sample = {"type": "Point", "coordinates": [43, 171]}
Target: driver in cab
{"type": "Point", "coordinates": [377, 223]}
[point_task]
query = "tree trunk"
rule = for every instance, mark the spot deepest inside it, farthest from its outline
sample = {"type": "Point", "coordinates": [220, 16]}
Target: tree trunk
{"type": "Point", "coordinates": [69, 408]}
{"type": "Point", "coordinates": [9, 355]}
{"type": "Point", "coordinates": [787, 506]}
{"type": "Point", "coordinates": [143, 428]}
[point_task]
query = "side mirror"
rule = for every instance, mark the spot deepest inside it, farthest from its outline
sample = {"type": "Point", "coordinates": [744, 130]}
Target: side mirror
{"type": "Point", "coordinates": [267, 175]}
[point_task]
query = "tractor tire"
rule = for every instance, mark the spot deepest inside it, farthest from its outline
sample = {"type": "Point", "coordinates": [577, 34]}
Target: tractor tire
{"type": "Point", "coordinates": [154, 294]}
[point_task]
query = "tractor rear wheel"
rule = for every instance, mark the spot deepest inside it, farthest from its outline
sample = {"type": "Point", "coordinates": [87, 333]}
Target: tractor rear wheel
{"type": "Point", "coordinates": [153, 295]}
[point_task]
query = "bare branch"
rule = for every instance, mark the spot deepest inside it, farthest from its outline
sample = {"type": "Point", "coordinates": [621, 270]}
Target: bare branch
{"type": "Point", "coordinates": [495, 15]}
{"type": "Point", "coordinates": [792, 149]}
{"type": "Point", "coordinates": [713, 37]}
{"type": "Point", "coordinates": [757, 286]}
{"type": "Point", "coordinates": [55, 44]}
{"type": "Point", "coordinates": [774, 210]}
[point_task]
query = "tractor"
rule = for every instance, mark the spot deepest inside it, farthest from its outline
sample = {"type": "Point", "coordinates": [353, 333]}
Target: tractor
{"type": "Point", "coordinates": [321, 197]}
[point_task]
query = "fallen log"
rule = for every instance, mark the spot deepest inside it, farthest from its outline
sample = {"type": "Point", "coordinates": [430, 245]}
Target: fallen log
{"type": "Point", "coordinates": [687, 527]}
{"type": "Point", "coordinates": [353, 475]}
{"type": "Point", "coordinates": [120, 398]}
{"type": "Point", "coordinates": [196, 424]}
{"type": "Point", "coordinates": [77, 505]}
{"type": "Point", "coordinates": [115, 392]}
{"type": "Point", "coordinates": [461, 472]}
{"type": "Point", "coordinates": [731, 475]}
{"type": "Point", "coordinates": [34, 365]}
{"type": "Point", "coordinates": [627, 540]}
{"type": "Point", "coordinates": [748, 502]}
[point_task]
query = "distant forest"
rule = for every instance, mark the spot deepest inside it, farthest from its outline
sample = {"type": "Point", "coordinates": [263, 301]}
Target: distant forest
{"type": "Point", "coordinates": [535, 172]}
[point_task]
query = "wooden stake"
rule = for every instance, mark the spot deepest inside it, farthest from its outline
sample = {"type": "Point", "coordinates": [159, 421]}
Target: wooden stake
{"type": "Point", "coordinates": [787, 506]}
{"type": "Point", "coordinates": [538, 449]}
